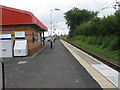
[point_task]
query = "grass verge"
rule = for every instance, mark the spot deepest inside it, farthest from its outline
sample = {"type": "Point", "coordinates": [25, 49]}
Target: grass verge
{"type": "Point", "coordinates": [112, 54]}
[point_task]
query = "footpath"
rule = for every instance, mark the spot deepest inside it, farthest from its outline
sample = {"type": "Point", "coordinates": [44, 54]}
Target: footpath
{"type": "Point", "coordinates": [103, 74]}
{"type": "Point", "coordinates": [64, 66]}
{"type": "Point", "coordinates": [49, 68]}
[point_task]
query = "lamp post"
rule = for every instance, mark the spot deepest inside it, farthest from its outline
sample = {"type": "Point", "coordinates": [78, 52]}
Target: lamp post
{"type": "Point", "coordinates": [56, 9]}
{"type": "Point", "coordinates": [54, 26]}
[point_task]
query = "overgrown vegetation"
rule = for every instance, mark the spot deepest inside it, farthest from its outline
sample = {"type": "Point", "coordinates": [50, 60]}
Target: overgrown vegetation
{"type": "Point", "coordinates": [99, 35]}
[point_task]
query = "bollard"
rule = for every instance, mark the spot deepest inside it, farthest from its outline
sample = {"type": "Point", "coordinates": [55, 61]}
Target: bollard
{"type": "Point", "coordinates": [51, 46]}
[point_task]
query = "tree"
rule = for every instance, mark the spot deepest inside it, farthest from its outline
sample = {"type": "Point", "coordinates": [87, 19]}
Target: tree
{"type": "Point", "coordinates": [117, 14]}
{"type": "Point", "coordinates": [75, 17]}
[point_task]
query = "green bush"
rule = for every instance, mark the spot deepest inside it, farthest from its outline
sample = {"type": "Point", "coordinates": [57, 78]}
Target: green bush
{"type": "Point", "coordinates": [97, 34]}
{"type": "Point", "coordinates": [107, 46]}
{"type": "Point", "coordinates": [110, 42]}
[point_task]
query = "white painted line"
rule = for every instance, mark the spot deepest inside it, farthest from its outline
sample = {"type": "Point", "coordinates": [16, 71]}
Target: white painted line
{"type": "Point", "coordinates": [22, 62]}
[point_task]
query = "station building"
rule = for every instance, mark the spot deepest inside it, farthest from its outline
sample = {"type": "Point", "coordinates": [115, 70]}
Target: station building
{"type": "Point", "coordinates": [19, 25]}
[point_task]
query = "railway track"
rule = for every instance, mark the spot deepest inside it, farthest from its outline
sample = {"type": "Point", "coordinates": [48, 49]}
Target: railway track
{"type": "Point", "coordinates": [113, 64]}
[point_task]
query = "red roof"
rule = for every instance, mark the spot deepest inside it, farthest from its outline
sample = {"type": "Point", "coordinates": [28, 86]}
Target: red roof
{"type": "Point", "coordinates": [12, 16]}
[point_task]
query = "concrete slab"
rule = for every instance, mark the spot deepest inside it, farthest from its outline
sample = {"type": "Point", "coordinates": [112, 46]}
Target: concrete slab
{"type": "Point", "coordinates": [109, 73]}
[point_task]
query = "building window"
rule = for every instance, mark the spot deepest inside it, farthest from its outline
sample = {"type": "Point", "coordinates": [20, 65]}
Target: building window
{"type": "Point", "coordinates": [20, 35]}
{"type": "Point", "coordinates": [5, 36]}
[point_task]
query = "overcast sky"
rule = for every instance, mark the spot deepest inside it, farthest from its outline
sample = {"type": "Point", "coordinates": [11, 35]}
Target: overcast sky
{"type": "Point", "coordinates": [41, 9]}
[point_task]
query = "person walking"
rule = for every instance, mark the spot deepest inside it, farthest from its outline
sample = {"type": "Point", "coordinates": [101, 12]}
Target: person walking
{"type": "Point", "coordinates": [54, 38]}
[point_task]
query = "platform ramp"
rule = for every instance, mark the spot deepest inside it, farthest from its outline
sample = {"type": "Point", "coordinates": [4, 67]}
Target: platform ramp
{"type": "Point", "coordinates": [20, 48]}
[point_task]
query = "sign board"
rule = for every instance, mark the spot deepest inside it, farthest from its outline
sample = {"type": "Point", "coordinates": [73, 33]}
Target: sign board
{"type": "Point", "coordinates": [5, 36]}
{"type": "Point", "coordinates": [19, 35]}
{"type": "Point", "coordinates": [1, 77]}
